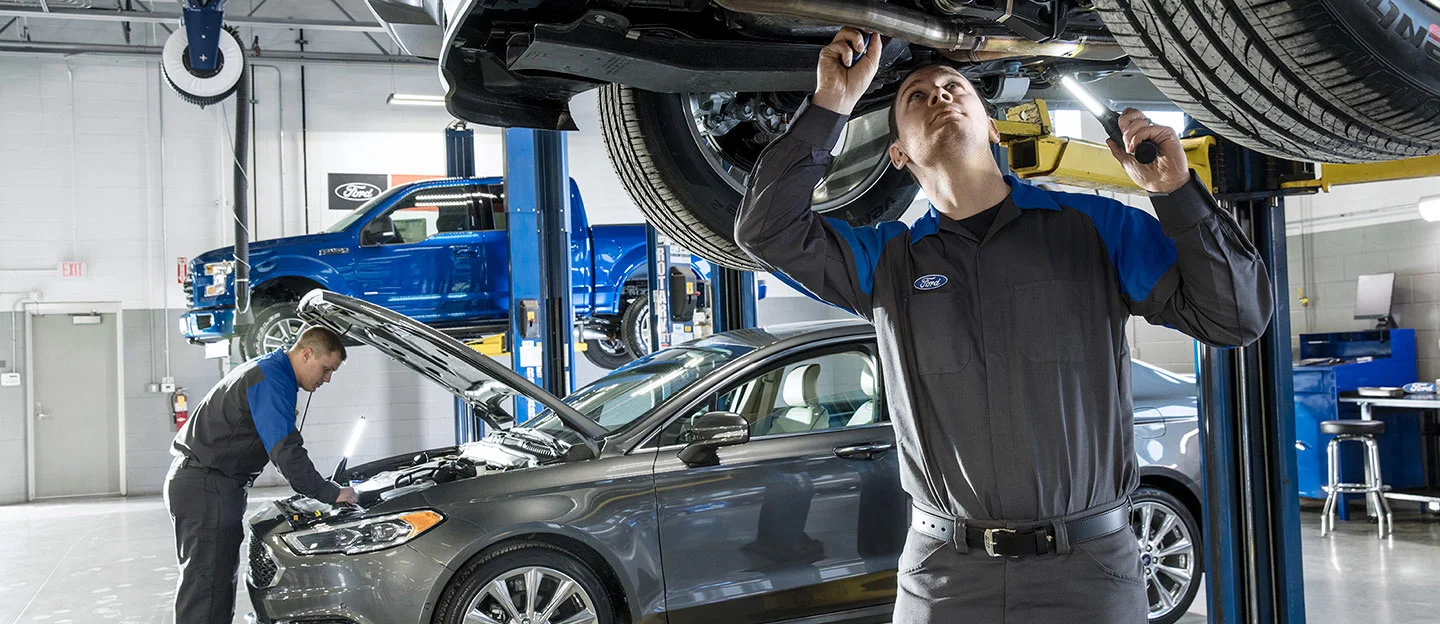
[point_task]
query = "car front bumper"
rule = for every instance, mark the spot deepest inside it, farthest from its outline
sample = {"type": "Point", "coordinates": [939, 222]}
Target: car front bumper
{"type": "Point", "coordinates": [383, 587]}
{"type": "Point", "coordinates": [208, 325]}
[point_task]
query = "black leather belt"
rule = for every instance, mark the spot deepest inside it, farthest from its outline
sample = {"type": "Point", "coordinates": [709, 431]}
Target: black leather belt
{"type": "Point", "coordinates": [1001, 542]}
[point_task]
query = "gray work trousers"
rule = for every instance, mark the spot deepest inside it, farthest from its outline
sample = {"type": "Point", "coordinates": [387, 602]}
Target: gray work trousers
{"type": "Point", "coordinates": [207, 509]}
{"type": "Point", "coordinates": [1095, 582]}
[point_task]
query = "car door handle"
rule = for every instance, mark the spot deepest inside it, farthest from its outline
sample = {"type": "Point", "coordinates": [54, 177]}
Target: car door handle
{"type": "Point", "coordinates": [868, 451]}
{"type": "Point", "coordinates": [464, 252]}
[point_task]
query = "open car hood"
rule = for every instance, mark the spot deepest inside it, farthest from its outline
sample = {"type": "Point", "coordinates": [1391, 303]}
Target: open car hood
{"type": "Point", "coordinates": [470, 375]}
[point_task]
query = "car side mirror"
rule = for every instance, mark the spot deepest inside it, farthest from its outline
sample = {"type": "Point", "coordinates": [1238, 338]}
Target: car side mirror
{"type": "Point", "coordinates": [375, 233]}
{"type": "Point", "coordinates": [713, 431]}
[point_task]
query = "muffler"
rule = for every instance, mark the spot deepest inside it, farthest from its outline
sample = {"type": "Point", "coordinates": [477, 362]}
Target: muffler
{"type": "Point", "coordinates": [918, 28]}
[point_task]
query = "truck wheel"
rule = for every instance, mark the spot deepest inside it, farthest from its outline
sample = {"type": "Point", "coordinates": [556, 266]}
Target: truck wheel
{"type": "Point", "coordinates": [689, 181]}
{"type": "Point", "coordinates": [1328, 81]}
{"type": "Point", "coordinates": [277, 326]}
{"type": "Point", "coordinates": [609, 353]}
{"type": "Point", "coordinates": [635, 327]}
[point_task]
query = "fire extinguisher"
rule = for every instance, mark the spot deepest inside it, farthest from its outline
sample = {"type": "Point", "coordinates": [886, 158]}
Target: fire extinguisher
{"type": "Point", "coordinates": [180, 408]}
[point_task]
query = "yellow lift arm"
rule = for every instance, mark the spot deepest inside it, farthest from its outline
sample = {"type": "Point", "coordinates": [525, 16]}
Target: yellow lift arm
{"type": "Point", "coordinates": [1036, 154]}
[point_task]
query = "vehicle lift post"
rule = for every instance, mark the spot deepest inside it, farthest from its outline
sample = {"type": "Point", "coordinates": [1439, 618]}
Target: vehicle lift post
{"type": "Point", "coordinates": [537, 207]}
{"type": "Point", "coordinates": [1251, 518]}
{"type": "Point", "coordinates": [460, 163]}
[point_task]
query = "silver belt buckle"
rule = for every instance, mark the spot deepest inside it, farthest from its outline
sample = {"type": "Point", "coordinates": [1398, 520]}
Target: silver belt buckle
{"type": "Point", "coordinates": [990, 540]}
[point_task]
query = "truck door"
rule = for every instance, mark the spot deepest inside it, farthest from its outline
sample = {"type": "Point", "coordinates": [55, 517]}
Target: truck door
{"type": "Point", "coordinates": [422, 256]}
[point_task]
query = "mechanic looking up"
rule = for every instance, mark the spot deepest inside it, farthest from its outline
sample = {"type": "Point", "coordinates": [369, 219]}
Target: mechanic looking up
{"type": "Point", "coordinates": [1001, 321]}
{"type": "Point", "coordinates": [246, 420]}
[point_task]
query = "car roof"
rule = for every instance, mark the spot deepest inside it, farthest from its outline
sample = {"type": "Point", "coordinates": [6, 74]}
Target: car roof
{"type": "Point", "coordinates": [785, 334]}
{"type": "Point", "coordinates": [771, 335]}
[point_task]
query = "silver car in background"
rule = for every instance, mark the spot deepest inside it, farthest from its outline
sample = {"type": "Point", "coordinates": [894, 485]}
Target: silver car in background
{"type": "Point", "coordinates": [749, 476]}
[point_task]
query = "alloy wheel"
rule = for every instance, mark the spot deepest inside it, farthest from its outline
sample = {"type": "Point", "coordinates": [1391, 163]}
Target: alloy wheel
{"type": "Point", "coordinates": [281, 335]}
{"type": "Point", "coordinates": [532, 595]}
{"type": "Point", "coordinates": [731, 128]}
{"type": "Point", "coordinates": [1167, 555]}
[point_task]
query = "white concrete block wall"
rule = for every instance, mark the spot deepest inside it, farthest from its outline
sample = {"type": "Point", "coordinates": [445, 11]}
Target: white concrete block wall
{"type": "Point", "coordinates": [102, 163]}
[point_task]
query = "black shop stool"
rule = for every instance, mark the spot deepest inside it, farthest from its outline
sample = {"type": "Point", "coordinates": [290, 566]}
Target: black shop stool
{"type": "Point", "coordinates": [1355, 431]}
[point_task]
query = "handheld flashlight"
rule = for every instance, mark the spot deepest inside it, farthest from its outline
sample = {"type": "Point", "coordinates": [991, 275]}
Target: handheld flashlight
{"type": "Point", "coordinates": [1145, 153]}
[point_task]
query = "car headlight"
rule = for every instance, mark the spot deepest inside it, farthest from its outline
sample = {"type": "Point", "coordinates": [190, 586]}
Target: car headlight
{"type": "Point", "coordinates": [219, 268]}
{"type": "Point", "coordinates": [362, 536]}
{"type": "Point", "coordinates": [215, 289]}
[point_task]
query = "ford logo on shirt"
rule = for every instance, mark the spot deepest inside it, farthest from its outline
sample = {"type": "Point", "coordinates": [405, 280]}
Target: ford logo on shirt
{"type": "Point", "coordinates": [930, 282]}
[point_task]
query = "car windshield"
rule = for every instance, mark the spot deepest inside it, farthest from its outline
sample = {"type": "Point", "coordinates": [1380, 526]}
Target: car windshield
{"type": "Point", "coordinates": [632, 391]}
{"type": "Point", "coordinates": [359, 213]}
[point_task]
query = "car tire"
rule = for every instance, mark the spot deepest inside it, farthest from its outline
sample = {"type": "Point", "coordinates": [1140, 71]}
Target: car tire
{"type": "Point", "coordinates": [1159, 505]}
{"type": "Point", "coordinates": [609, 353]}
{"type": "Point", "coordinates": [657, 157]}
{"type": "Point", "coordinates": [510, 566]}
{"type": "Point", "coordinates": [275, 327]}
{"type": "Point", "coordinates": [202, 88]}
{"type": "Point", "coordinates": [635, 327]}
{"type": "Point", "coordinates": [1329, 81]}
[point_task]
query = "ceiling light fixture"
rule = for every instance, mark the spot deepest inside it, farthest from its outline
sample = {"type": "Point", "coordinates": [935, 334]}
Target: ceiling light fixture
{"type": "Point", "coordinates": [1429, 208]}
{"type": "Point", "coordinates": [410, 99]}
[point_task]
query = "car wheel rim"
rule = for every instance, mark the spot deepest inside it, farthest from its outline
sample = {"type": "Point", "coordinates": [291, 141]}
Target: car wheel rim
{"type": "Point", "coordinates": [532, 595]}
{"type": "Point", "coordinates": [1167, 555]}
{"type": "Point", "coordinates": [611, 346]}
{"type": "Point", "coordinates": [730, 129]}
{"type": "Point", "coordinates": [281, 335]}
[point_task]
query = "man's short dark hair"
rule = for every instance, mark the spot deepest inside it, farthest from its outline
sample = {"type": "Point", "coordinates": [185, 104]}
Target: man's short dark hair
{"type": "Point", "coordinates": [990, 108]}
{"type": "Point", "coordinates": [322, 341]}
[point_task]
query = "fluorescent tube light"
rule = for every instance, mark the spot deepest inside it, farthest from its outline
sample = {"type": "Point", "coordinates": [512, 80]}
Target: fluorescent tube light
{"type": "Point", "coordinates": [410, 99]}
{"type": "Point", "coordinates": [1430, 208]}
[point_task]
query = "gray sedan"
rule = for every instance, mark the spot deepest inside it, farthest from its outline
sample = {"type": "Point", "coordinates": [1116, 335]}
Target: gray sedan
{"type": "Point", "coordinates": [746, 477]}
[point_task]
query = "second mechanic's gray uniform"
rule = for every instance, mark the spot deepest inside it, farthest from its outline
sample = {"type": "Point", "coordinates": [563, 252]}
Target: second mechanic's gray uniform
{"type": "Point", "coordinates": [1006, 365]}
{"type": "Point", "coordinates": [245, 421]}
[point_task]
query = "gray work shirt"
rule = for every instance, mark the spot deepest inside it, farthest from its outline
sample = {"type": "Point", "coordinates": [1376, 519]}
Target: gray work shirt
{"type": "Point", "coordinates": [1007, 373]}
{"type": "Point", "coordinates": [248, 419]}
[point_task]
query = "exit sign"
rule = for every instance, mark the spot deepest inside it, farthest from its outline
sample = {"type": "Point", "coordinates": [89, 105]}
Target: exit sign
{"type": "Point", "coordinates": [73, 268]}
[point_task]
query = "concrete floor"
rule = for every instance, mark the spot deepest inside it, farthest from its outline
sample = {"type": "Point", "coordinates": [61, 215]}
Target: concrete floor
{"type": "Point", "coordinates": [93, 560]}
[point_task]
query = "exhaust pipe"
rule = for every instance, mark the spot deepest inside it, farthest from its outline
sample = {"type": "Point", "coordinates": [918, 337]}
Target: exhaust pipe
{"type": "Point", "coordinates": [918, 28]}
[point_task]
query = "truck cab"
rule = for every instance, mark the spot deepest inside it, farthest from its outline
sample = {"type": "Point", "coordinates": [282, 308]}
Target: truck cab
{"type": "Point", "coordinates": [436, 251]}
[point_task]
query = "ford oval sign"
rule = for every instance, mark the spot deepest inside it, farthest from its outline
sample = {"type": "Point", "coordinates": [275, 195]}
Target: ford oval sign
{"type": "Point", "coordinates": [357, 191]}
{"type": "Point", "coordinates": [930, 282]}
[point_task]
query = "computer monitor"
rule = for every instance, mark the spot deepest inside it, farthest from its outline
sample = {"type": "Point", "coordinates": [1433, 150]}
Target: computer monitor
{"type": "Point", "coordinates": [1373, 296]}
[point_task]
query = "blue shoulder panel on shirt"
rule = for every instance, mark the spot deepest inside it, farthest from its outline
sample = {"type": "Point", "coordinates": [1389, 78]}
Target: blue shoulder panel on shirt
{"type": "Point", "coordinates": [866, 244]}
{"type": "Point", "coordinates": [272, 401]}
{"type": "Point", "coordinates": [1139, 250]}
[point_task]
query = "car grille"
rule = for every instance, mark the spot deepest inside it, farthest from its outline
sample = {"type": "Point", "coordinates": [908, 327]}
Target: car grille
{"type": "Point", "coordinates": [189, 287]}
{"type": "Point", "coordinates": [262, 566]}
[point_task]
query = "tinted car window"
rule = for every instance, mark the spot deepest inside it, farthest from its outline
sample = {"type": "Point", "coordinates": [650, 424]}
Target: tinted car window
{"type": "Point", "coordinates": [817, 393]}
{"type": "Point", "coordinates": [1148, 383]}
{"type": "Point", "coordinates": [632, 391]}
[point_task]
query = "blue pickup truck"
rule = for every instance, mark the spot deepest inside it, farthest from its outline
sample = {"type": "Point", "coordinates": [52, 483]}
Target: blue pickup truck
{"type": "Point", "coordinates": [435, 251]}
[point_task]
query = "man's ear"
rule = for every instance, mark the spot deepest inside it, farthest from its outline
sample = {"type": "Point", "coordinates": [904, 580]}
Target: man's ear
{"type": "Point", "coordinates": [994, 131]}
{"type": "Point", "coordinates": [897, 156]}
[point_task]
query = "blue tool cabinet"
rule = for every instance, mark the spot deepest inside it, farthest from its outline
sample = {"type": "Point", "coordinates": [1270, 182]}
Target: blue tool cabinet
{"type": "Point", "coordinates": [1369, 358]}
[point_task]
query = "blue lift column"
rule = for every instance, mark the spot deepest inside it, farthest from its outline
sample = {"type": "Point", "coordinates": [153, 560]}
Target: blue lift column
{"type": "Point", "coordinates": [537, 208]}
{"type": "Point", "coordinates": [1251, 519]}
{"type": "Point", "coordinates": [460, 163]}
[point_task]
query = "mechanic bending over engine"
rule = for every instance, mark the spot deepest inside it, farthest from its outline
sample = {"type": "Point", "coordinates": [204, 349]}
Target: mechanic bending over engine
{"type": "Point", "coordinates": [246, 420]}
{"type": "Point", "coordinates": [1001, 321]}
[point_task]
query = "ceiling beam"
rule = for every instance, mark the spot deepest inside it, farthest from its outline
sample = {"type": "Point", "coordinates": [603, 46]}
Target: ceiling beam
{"type": "Point", "coordinates": [174, 18]}
{"type": "Point", "coordinates": [152, 53]}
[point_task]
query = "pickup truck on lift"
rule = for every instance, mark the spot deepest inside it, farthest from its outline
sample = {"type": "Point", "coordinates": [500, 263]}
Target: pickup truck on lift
{"type": "Point", "coordinates": [436, 251]}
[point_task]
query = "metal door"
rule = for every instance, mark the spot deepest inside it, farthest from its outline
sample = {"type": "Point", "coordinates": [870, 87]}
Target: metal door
{"type": "Point", "coordinates": [75, 415]}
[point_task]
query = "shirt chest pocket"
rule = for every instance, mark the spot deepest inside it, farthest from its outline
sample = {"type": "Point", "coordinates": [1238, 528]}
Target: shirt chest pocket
{"type": "Point", "coordinates": [940, 328]}
{"type": "Point", "coordinates": [1050, 320]}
